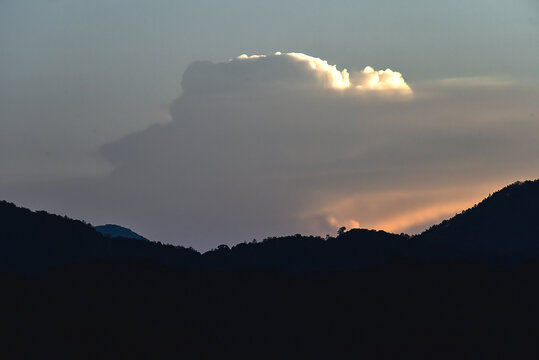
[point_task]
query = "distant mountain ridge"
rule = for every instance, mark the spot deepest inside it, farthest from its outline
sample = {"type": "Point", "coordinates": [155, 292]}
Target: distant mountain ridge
{"type": "Point", "coordinates": [36, 241]}
{"type": "Point", "coordinates": [502, 229]}
{"type": "Point", "coordinates": [112, 230]}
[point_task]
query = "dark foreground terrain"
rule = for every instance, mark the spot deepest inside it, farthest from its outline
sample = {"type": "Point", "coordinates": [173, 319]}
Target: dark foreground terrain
{"type": "Point", "coordinates": [464, 289]}
{"type": "Point", "coordinates": [402, 310]}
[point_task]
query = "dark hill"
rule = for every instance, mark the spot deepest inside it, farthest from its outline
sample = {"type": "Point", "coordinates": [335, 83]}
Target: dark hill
{"type": "Point", "coordinates": [355, 249]}
{"type": "Point", "coordinates": [503, 228]}
{"type": "Point", "coordinates": [35, 241]}
{"type": "Point", "coordinates": [137, 301]}
{"type": "Point", "coordinates": [111, 230]}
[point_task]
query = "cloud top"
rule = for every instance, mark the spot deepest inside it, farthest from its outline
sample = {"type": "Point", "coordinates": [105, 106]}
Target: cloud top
{"type": "Point", "coordinates": [328, 75]}
{"type": "Point", "coordinates": [381, 80]}
{"type": "Point", "coordinates": [287, 71]}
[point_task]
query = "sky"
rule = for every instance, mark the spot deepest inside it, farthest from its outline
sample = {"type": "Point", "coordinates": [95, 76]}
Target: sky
{"type": "Point", "coordinates": [144, 114]}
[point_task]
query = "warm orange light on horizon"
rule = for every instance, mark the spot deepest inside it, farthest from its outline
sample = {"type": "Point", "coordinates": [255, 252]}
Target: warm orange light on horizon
{"type": "Point", "coordinates": [405, 210]}
{"type": "Point", "coordinates": [426, 217]}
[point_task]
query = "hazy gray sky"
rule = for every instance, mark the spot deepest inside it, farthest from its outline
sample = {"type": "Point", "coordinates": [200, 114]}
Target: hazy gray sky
{"type": "Point", "coordinates": [77, 75]}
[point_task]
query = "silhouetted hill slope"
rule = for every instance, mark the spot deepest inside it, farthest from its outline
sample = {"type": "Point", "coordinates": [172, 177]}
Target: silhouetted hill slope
{"type": "Point", "coordinates": [355, 249]}
{"type": "Point", "coordinates": [503, 228]}
{"type": "Point", "coordinates": [34, 241]}
{"type": "Point", "coordinates": [111, 230]}
{"type": "Point", "coordinates": [138, 302]}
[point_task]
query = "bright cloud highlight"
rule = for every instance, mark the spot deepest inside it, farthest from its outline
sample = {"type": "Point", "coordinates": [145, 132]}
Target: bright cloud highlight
{"type": "Point", "coordinates": [328, 76]}
{"type": "Point", "coordinates": [370, 79]}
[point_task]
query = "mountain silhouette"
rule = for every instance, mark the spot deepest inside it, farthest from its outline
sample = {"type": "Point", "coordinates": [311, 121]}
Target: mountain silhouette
{"type": "Point", "coordinates": [36, 241]}
{"type": "Point", "coordinates": [70, 292]}
{"type": "Point", "coordinates": [355, 249]}
{"type": "Point", "coordinates": [112, 230]}
{"type": "Point", "coordinates": [500, 230]}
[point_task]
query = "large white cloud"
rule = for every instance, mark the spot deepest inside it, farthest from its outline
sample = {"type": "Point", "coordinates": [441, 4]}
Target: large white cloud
{"type": "Point", "coordinates": [270, 145]}
{"type": "Point", "coordinates": [286, 71]}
